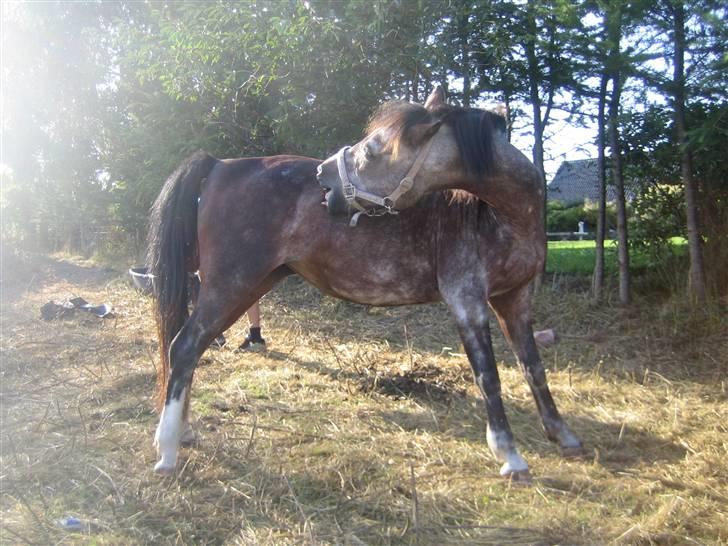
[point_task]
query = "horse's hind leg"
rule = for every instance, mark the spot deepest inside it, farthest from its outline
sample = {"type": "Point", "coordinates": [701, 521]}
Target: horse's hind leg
{"type": "Point", "coordinates": [214, 313]}
{"type": "Point", "coordinates": [471, 314]}
{"type": "Point", "coordinates": [514, 313]}
{"type": "Point", "coordinates": [205, 323]}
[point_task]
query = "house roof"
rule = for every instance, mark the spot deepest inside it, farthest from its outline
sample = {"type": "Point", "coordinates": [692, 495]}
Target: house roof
{"type": "Point", "coordinates": [576, 181]}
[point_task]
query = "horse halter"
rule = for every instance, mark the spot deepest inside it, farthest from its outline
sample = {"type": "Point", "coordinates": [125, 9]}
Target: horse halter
{"type": "Point", "coordinates": [386, 204]}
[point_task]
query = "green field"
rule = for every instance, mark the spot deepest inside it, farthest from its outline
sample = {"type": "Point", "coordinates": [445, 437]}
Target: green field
{"type": "Point", "coordinates": [578, 256]}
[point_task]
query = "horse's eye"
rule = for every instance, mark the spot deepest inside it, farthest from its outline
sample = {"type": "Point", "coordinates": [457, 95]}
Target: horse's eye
{"type": "Point", "coordinates": [369, 151]}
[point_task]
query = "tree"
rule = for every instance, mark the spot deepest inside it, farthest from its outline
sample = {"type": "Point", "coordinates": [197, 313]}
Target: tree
{"type": "Point", "coordinates": [697, 272]}
{"type": "Point", "coordinates": [598, 275]}
{"type": "Point", "coordinates": [51, 117]}
{"type": "Point", "coordinates": [613, 22]}
{"type": "Point", "coordinates": [692, 36]}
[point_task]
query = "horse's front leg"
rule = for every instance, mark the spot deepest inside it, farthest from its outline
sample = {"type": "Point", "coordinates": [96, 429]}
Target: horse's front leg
{"type": "Point", "coordinates": [472, 317]}
{"type": "Point", "coordinates": [514, 313]}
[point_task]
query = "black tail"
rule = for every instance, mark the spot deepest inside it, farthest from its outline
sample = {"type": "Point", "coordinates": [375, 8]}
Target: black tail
{"type": "Point", "coordinates": [172, 252]}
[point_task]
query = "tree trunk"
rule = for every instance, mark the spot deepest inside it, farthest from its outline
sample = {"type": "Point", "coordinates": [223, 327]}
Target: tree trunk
{"type": "Point", "coordinates": [625, 290]}
{"type": "Point", "coordinates": [509, 113]}
{"type": "Point", "coordinates": [463, 22]}
{"type": "Point", "coordinates": [697, 271]}
{"type": "Point", "coordinates": [614, 26]}
{"type": "Point", "coordinates": [416, 83]}
{"type": "Point", "coordinates": [598, 276]}
{"type": "Point", "coordinates": [534, 78]}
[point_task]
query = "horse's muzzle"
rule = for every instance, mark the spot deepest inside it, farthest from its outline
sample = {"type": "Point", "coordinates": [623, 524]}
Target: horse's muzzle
{"type": "Point", "coordinates": [328, 179]}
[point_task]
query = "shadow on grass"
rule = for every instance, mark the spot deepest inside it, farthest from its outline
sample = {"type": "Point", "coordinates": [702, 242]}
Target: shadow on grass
{"type": "Point", "coordinates": [612, 446]}
{"type": "Point", "coordinates": [370, 502]}
{"type": "Point", "coordinates": [634, 338]}
{"type": "Point", "coordinates": [140, 384]}
{"type": "Point", "coordinates": [618, 445]}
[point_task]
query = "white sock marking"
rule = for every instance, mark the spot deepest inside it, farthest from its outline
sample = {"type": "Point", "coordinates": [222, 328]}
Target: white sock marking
{"type": "Point", "coordinates": [169, 434]}
{"type": "Point", "coordinates": [505, 451]}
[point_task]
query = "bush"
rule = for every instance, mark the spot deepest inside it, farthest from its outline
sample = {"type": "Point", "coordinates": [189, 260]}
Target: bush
{"type": "Point", "coordinates": [561, 218]}
{"type": "Point", "coordinates": [658, 215]}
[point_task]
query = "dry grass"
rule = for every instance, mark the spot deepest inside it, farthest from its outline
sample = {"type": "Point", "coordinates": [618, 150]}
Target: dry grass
{"type": "Point", "coordinates": [359, 426]}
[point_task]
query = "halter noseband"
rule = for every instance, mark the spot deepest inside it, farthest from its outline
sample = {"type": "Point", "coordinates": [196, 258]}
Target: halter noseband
{"type": "Point", "coordinates": [386, 204]}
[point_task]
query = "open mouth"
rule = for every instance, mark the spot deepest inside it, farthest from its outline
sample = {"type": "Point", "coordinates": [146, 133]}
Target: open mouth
{"type": "Point", "coordinates": [326, 193]}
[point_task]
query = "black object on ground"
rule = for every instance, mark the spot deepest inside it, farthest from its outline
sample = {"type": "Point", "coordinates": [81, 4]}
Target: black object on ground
{"type": "Point", "coordinates": [54, 310]}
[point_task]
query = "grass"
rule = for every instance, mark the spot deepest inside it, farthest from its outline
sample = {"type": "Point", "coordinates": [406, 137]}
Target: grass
{"type": "Point", "coordinates": [353, 429]}
{"type": "Point", "coordinates": [577, 257]}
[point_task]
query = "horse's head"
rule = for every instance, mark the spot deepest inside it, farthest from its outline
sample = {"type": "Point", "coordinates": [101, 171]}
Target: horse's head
{"type": "Point", "coordinates": [409, 150]}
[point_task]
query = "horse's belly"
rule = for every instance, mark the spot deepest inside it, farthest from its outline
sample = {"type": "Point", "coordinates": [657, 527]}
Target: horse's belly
{"type": "Point", "coordinates": [383, 295]}
{"type": "Point", "coordinates": [372, 286]}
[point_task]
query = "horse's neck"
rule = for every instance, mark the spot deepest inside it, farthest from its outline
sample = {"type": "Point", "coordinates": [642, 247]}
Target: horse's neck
{"type": "Point", "coordinates": [518, 202]}
{"type": "Point", "coordinates": [515, 189]}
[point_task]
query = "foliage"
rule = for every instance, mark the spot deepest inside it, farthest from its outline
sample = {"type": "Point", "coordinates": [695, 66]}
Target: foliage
{"type": "Point", "coordinates": [659, 215]}
{"type": "Point", "coordinates": [708, 139]}
{"type": "Point", "coordinates": [52, 195]}
{"type": "Point", "coordinates": [654, 168]}
{"type": "Point", "coordinates": [565, 218]}
{"type": "Point", "coordinates": [101, 101]}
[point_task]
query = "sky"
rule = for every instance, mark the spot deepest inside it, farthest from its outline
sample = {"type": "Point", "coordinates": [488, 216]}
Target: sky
{"type": "Point", "coordinates": [566, 141]}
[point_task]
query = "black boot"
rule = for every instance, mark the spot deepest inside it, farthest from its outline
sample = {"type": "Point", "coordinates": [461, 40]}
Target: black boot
{"type": "Point", "coordinates": [253, 342]}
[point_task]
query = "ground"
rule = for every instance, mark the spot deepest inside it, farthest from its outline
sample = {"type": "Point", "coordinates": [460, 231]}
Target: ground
{"type": "Point", "coordinates": [359, 426]}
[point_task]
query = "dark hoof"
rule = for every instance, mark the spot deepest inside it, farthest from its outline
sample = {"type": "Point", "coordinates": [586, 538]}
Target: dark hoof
{"type": "Point", "coordinates": [522, 477]}
{"type": "Point", "coordinates": [188, 438]}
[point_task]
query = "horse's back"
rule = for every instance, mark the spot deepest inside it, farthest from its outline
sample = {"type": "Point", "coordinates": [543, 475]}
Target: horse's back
{"type": "Point", "coordinates": [260, 188]}
{"type": "Point", "coordinates": [279, 170]}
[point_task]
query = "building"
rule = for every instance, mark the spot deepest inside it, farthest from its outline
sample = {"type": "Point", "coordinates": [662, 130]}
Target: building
{"type": "Point", "coordinates": [577, 181]}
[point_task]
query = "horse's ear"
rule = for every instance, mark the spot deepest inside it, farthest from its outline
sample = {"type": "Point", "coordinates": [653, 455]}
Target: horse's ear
{"type": "Point", "coordinates": [424, 131]}
{"type": "Point", "coordinates": [436, 98]}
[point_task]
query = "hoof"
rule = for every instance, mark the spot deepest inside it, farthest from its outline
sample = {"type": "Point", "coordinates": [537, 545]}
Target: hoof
{"type": "Point", "coordinates": [573, 452]}
{"type": "Point", "coordinates": [514, 467]}
{"type": "Point", "coordinates": [163, 469]}
{"type": "Point", "coordinates": [521, 477]}
{"type": "Point", "coordinates": [188, 437]}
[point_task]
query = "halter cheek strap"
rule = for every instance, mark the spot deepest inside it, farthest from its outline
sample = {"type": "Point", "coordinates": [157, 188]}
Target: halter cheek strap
{"type": "Point", "coordinates": [386, 204]}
